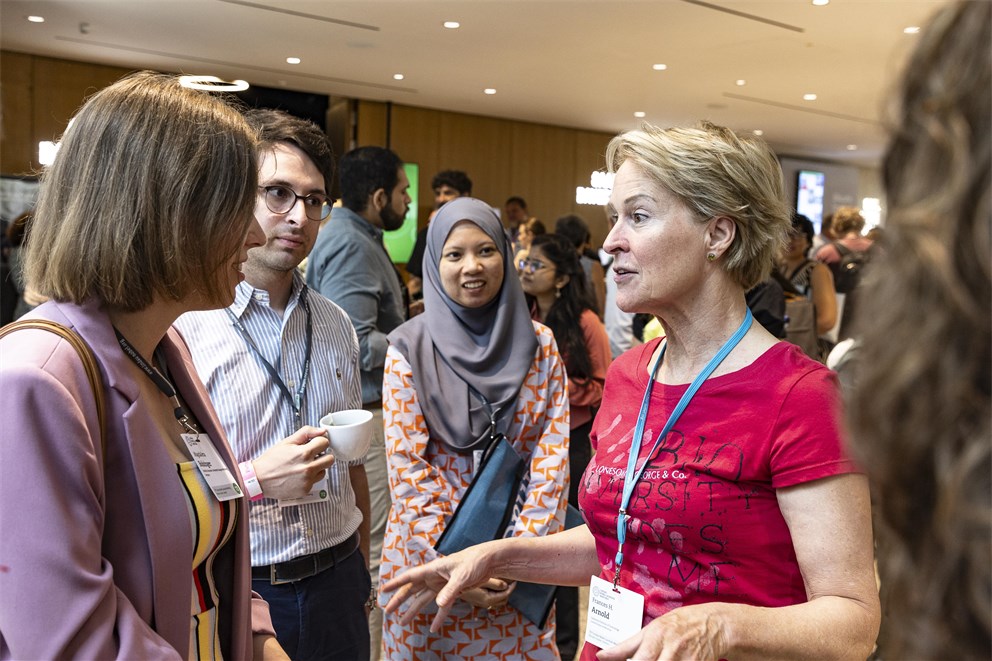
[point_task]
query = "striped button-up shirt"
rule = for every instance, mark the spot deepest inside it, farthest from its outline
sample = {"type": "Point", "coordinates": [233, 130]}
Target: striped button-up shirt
{"type": "Point", "coordinates": [256, 413]}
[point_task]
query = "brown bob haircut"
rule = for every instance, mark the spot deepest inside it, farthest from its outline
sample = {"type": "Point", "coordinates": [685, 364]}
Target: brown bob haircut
{"type": "Point", "coordinates": [152, 192]}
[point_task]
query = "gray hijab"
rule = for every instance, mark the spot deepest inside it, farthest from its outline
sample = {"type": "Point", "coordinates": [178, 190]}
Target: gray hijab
{"type": "Point", "coordinates": [450, 346]}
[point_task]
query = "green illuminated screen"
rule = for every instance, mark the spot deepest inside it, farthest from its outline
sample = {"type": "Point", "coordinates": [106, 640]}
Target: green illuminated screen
{"type": "Point", "coordinates": [399, 243]}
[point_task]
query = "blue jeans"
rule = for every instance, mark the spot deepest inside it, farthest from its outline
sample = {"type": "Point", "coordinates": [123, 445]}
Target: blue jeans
{"type": "Point", "coordinates": [322, 617]}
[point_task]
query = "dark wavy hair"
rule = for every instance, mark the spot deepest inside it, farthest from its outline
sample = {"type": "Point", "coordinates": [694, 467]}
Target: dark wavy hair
{"type": "Point", "coordinates": [575, 298]}
{"type": "Point", "coordinates": [454, 178]}
{"type": "Point", "coordinates": [920, 409]}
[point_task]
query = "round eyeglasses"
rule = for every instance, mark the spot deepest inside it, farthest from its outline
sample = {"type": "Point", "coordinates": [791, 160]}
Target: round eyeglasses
{"type": "Point", "coordinates": [528, 265]}
{"type": "Point", "coordinates": [281, 199]}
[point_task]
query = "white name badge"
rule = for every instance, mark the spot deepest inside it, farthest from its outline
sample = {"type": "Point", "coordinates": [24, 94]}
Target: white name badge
{"type": "Point", "coordinates": [318, 494]}
{"type": "Point", "coordinates": [212, 467]}
{"type": "Point", "coordinates": [613, 616]}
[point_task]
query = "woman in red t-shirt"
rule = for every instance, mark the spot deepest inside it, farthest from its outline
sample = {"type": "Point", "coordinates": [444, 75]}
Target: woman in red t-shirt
{"type": "Point", "coordinates": [747, 530]}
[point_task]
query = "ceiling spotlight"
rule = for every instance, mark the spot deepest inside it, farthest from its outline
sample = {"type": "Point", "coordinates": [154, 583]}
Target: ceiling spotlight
{"type": "Point", "coordinates": [758, 132]}
{"type": "Point", "coordinates": [293, 60]}
{"type": "Point", "coordinates": [809, 97]}
{"type": "Point", "coordinates": [212, 84]}
{"type": "Point", "coordinates": [36, 19]}
{"type": "Point", "coordinates": [639, 114]}
{"type": "Point", "coordinates": [398, 76]}
{"type": "Point", "coordinates": [912, 29]}
{"type": "Point", "coordinates": [741, 82]}
{"type": "Point", "coordinates": [490, 90]}
{"type": "Point", "coordinates": [821, 3]}
{"type": "Point", "coordinates": [851, 147]}
{"type": "Point", "coordinates": [452, 25]}
{"type": "Point", "coordinates": [659, 67]}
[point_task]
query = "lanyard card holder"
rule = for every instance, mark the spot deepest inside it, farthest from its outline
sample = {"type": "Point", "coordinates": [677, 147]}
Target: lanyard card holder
{"type": "Point", "coordinates": [485, 510]}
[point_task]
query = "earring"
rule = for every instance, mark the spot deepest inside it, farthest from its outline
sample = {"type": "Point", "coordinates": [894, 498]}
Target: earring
{"type": "Point", "coordinates": [558, 293]}
{"type": "Point", "coordinates": [710, 257]}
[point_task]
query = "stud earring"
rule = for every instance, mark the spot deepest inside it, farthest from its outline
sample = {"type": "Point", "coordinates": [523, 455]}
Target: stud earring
{"type": "Point", "coordinates": [710, 257]}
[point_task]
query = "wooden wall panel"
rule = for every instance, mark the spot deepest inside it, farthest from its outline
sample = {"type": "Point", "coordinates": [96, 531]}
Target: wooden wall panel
{"type": "Point", "coordinates": [18, 150]}
{"type": "Point", "coordinates": [480, 146]}
{"type": "Point", "coordinates": [543, 169]}
{"type": "Point", "coordinates": [415, 135]}
{"type": "Point", "coordinates": [371, 123]}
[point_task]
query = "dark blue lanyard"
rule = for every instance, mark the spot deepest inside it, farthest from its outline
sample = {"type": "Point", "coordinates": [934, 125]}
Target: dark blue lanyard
{"type": "Point", "coordinates": [632, 475]}
{"type": "Point", "coordinates": [160, 381]}
{"type": "Point", "coordinates": [295, 400]}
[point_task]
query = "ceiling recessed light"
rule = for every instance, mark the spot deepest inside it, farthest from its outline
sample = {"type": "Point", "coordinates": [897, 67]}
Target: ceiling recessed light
{"type": "Point", "coordinates": [452, 25]}
{"type": "Point", "coordinates": [741, 82]}
{"type": "Point", "coordinates": [212, 84]}
{"type": "Point", "coordinates": [851, 147]}
{"type": "Point", "coordinates": [398, 76]}
{"type": "Point", "coordinates": [36, 19]}
{"type": "Point", "coordinates": [809, 97]}
{"type": "Point", "coordinates": [490, 90]}
{"type": "Point", "coordinates": [912, 29]}
{"type": "Point", "coordinates": [659, 67]}
{"type": "Point", "coordinates": [639, 114]}
{"type": "Point", "coordinates": [821, 3]}
{"type": "Point", "coordinates": [758, 132]}
{"type": "Point", "coordinates": [292, 60]}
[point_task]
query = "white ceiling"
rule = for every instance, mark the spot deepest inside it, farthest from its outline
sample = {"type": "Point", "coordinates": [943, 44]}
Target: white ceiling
{"type": "Point", "coordinates": [578, 64]}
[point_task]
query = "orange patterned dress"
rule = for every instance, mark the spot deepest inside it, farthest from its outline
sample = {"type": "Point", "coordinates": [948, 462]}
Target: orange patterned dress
{"type": "Point", "coordinates": [427, 480]}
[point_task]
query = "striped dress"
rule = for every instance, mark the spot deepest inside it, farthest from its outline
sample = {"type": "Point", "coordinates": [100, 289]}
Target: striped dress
{"type": "Point", "coordinates": [427, 481]}
{"type": "Point", "coordinates": [213, 523]}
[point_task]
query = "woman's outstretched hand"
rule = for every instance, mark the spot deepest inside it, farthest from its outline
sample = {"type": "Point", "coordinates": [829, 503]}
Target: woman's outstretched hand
{"type": "Point", "coordinates": [445, 580]}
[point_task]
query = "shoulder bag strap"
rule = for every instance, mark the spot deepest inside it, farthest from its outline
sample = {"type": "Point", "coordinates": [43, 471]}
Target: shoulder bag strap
{"type": "Point", "coordinates": [85, 355]}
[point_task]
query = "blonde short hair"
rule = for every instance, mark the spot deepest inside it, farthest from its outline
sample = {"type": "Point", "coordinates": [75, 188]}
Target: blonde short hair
{"type": "Point", "coordinates": [152, 192]}
{"type": "Point", "coordinates": [716, 172]}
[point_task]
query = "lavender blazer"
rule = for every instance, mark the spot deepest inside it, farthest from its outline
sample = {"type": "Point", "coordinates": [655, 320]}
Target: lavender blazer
{"type": "Point", "coordinates": [95, 564]}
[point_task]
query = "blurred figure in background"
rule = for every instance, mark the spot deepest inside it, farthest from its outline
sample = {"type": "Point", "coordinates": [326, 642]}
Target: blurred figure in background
{"type": "Point", "coordinates": [514, 213]}
{"type": "Point", "coordinates": [575, 229]}
{"type": "Point", "coordinates": [921, 403]}
{"type": "Point", "coordinates": [525, 234]}
{"type": "Point", "coordinates": [809, 277]}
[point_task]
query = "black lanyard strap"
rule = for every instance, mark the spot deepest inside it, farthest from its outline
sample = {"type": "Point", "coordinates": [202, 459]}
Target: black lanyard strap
{"type": "Point", "coordinates": [160, 382]}
{"type": "Point", "coordinates": [295, 400]}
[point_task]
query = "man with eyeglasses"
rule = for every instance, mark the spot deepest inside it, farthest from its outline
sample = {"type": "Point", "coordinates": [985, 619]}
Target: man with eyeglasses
{"type": "Point", "coordinates": [349, 265]}
{"type": "Point", "coordinates": [276, 361]}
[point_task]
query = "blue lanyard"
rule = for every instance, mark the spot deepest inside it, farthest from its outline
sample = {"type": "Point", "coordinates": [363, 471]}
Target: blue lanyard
{"type": "Point", "coordinates": [632, 475]}
{"type": "Point", "coordinates": [295, 399]}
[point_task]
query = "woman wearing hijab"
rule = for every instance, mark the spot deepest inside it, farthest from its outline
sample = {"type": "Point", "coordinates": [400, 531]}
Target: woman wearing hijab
{"type": "Point", "coordinates": [474, 351]}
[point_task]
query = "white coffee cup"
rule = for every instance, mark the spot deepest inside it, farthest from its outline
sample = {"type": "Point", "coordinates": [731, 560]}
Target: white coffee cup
{"type": "Point", "coordinates": [349, 433]}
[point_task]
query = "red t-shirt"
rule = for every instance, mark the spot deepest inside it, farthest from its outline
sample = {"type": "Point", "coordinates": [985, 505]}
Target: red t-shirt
{"type": "Point", "coordinates": [705, 524]}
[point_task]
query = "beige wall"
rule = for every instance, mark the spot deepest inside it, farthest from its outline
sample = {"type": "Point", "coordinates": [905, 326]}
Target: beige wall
{"type": "Point", "coordinates": [541, 163]}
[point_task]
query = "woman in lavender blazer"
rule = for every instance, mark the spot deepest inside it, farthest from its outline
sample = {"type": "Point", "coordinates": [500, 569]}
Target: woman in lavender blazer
{"type": "Point", "coordinates": [146, 213]}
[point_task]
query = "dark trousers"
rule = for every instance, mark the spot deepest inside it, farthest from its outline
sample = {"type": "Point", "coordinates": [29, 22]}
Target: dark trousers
{"type": "Point", "coordinates": [322, 617]}
{"type": "Point", "coordinates": [567, 598]}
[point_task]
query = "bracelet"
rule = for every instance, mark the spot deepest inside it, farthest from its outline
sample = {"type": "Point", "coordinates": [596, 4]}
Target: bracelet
{"type": "Point", "coordinates": [251, 482]}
